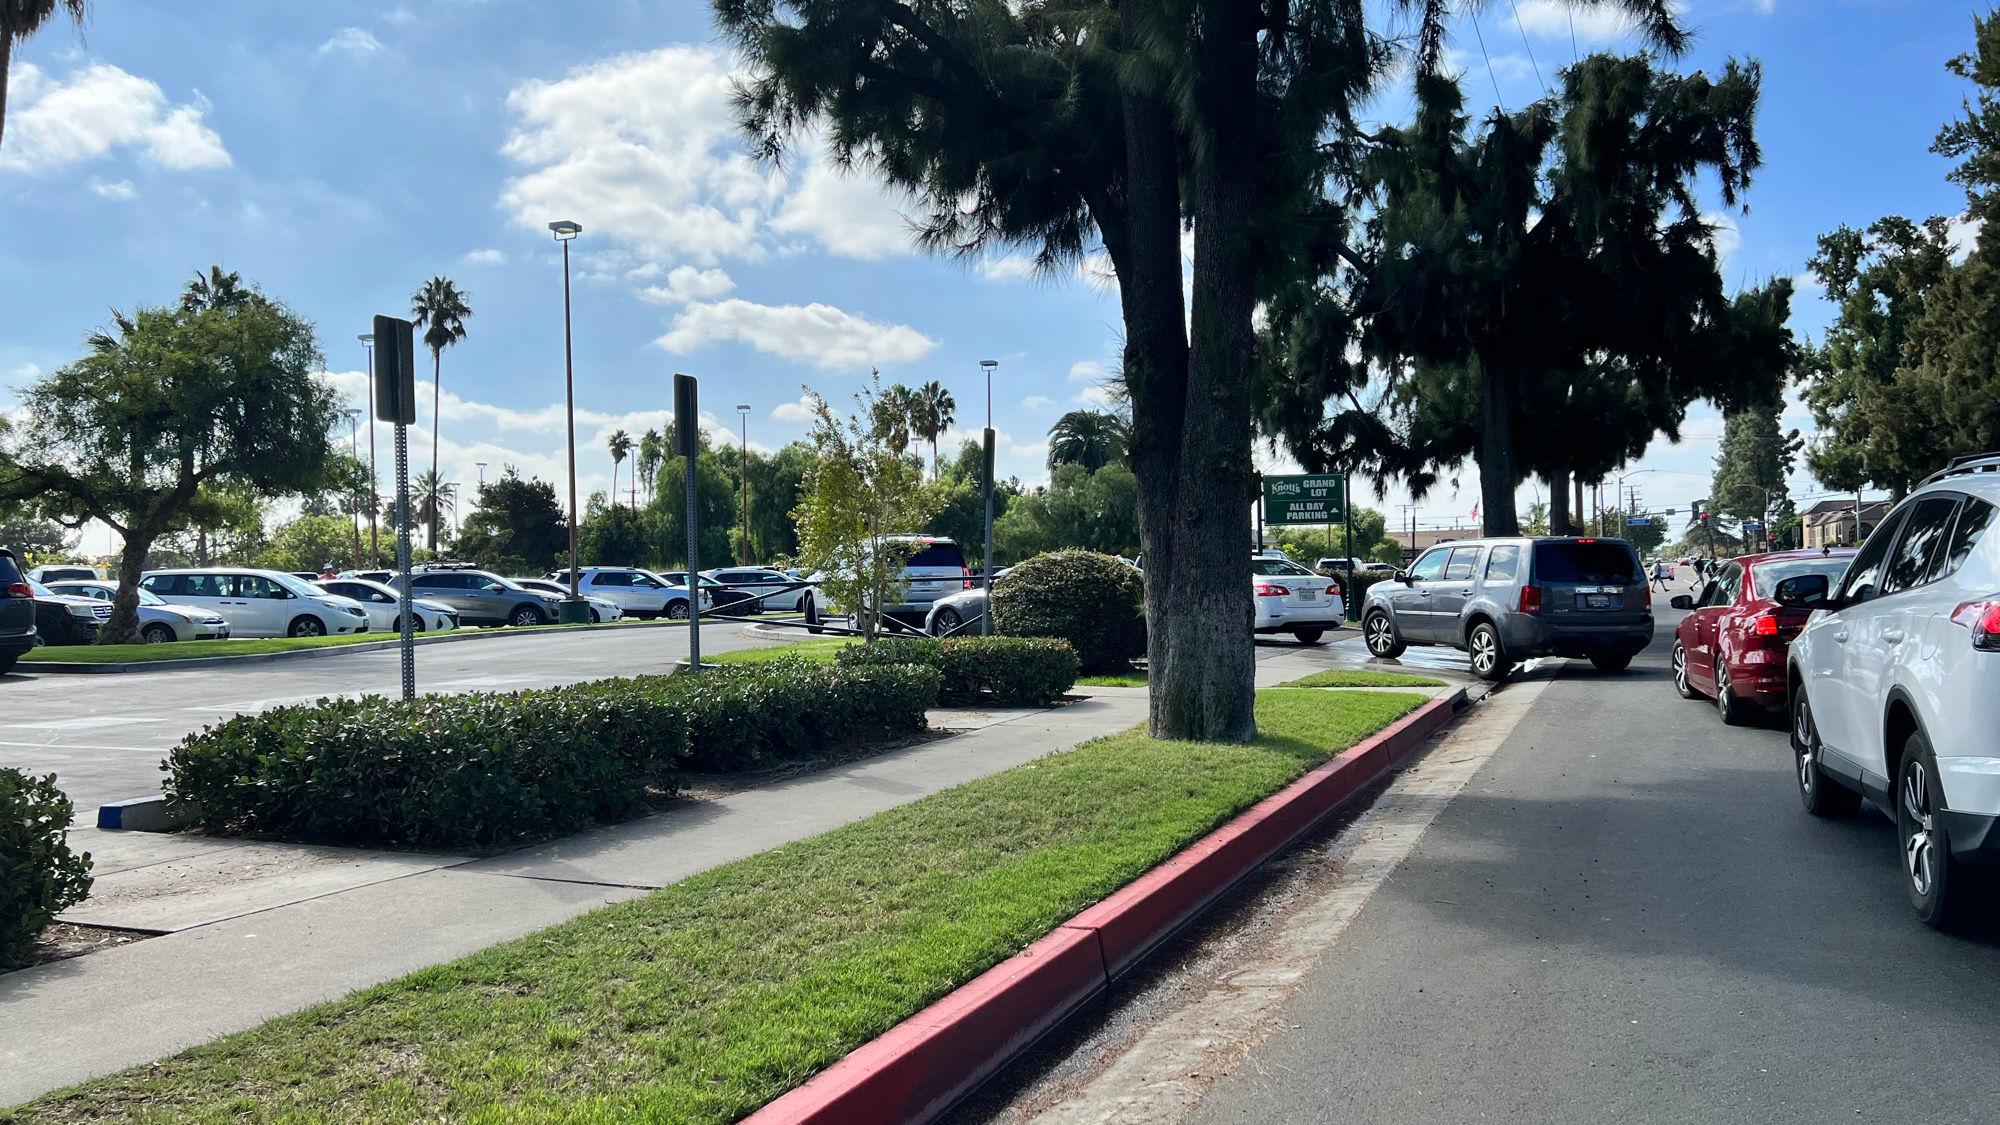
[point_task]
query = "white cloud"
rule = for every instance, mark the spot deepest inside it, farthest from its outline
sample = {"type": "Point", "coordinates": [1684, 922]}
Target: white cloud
{"type": "Point", "coordinates": [1007, 267]}
{"type": "Point", "coordinates": [53, 124]}
{"type": "Point", "coordinates": [1962, 234]}
{"type": "Point", "coordinates": [1097, 398]}
{"type": "Point", "coordinates": [1554, 19]}
{"type": "Point", "coordinates": [818, 334]}
{"type": "Point", "coordinates": [1506, 68]}
{"type": "Point", "coordinates": [1724, 234]}
{"type": "Point", "coordinates": [1038, 402]}
{"type": "Point", "coordinates": [485, 257]}
{"type": "Point", "coordinates": [800, 411]}
{"type": "Point", "coordinates": [113, 189]}
{"type": "Point", "coordinates": [686, 284]}
{"type": "Point", "coordinates": [352, 41]}
{"type": "Point", "coordinates": [848, 211]}
{"type": "Point", "coordinates": [1086, 370]}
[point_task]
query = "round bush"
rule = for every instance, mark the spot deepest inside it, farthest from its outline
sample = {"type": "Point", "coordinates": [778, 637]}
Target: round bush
{"type": "Point", "coordinates": [1093, 601]}
{"type": "Point", "coordinates": [39, 876]}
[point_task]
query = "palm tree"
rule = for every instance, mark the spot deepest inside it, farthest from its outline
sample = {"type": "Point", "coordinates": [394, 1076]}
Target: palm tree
{"type": "Point", "coordinates": [894, 414]}
{"type": "Point", "coordinates": [652, 453]}
{"type": "Point", "coordinates": [620, 445]}
{"type": "Point", "coordinates": [433, 500]}
{"type": "Point", "coordinates": [1091, 438]}
{"type": "Point", "coordinates": [440, 310]}
{"type": "Point", "coordinates": [936, 411]}
{"type": "Point", "coordinates": [20, 19]}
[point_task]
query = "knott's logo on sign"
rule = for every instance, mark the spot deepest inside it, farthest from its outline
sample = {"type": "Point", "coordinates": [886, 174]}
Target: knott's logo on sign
{"type": "Point", "coordinates": [1282, 486]}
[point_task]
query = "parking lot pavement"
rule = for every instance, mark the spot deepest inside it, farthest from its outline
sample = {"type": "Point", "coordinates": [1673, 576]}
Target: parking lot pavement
{"type": "Point", "coordinates": [104, 736]}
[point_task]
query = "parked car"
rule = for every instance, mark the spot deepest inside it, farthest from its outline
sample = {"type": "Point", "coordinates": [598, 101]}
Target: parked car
{"type": "Point", "coordinates": [61, 572]}
{"type": "Point", "coordinates": [960, 613]}
{"type": "Point", "coordinates": [483, 598]}
{"type": "Point", "coordinates": [715, 597]}
{"type": "Point", "coordinates": [1732, 646]}
{"type": "Point", "coordinates": [638, 593]}
{"type": "Point", "coordinates": [259, 603]}
{"type": "Point", "coordinates": [386, 577]}
{"type": "Point", "coordinates": [159, 621]}
{"type": "Point", "coordinates": [67, 619]}
{"type": "Point", "coordinates": [601, 609]}
{"type": "Point", "coordinates": [754, 580]}
{"type": "Point", "coordinates": [1506, 600]}
{"type": "Point", "coordinates": [1338, 566]}
{"type": "Point", "coordinates": [1895, 686]}
{"type": "Point", "coordinates": [18, 634]}
{"type": "Point", "coordinates": [384, 605]}
{"type": "Point", "coordinates": [1292, 599]}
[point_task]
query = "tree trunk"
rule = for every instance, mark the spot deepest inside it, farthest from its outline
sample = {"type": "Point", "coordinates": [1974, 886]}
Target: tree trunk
{"type": "Point", "coordinates": [6, 61]}
{"type": "Point", "coordinates": [123, 627]}
{"type": "Point", "coordinates": [1497, 478]}
{"type": "Point", "coordinates": [1559, 502]}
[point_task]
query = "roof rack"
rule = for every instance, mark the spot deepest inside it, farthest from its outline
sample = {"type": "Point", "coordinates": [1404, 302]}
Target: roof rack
{"type": "Point", "coordinates": [1966, 463]}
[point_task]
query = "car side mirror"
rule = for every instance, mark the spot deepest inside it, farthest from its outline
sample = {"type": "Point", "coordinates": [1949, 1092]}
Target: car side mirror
{"type": "Point", "coordinates": [1406, 578]}
{"type": "Point", "coordinates": [1681, 601]}
{"type": "Point", "coordinates": [1807, 591]}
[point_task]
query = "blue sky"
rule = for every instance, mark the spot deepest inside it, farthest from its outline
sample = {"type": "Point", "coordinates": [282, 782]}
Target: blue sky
{"type": "Point", "coordinates": [337, 155]}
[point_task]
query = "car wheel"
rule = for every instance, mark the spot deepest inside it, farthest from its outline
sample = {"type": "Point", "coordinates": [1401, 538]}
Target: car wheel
{"type": "Point", "coordinates": [1683, 685]}
{"type": "Point", "coordinates": [945, 623]}
{"type": "Point", "coordinates": [1380, 633]}
{"type": "Point", "coordinates": [307, 627]}
{"type": "Point", "coordinates": [677, 611]}
{"type": "Point", "coordinates": [594, 618]}
{"type": "Point", "coordinates": [1733, 713]}
{"type": "Point", "coordinates": [525, 616]}
{"type": "Point", "coordinates": [812, 615]}
{"type": "Point", "coordinates": [1941, 889]}
{"type": "Point", "coordinates": [1489, 660]}
{"type": "Point", "coordinates": [1611, 661]}
{"type": "Point", "coordinates": [158, 634]}
{"type": "Point", "coordinates": [396, 626]}
{"type": "Point", "coordinates": [1308, 636]}
{"type": "Point", "coordinates": [1821, 795]}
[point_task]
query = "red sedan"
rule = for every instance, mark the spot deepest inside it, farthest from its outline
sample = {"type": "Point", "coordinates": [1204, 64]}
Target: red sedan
{"type": "Point", "coordinates": [1732, 647]}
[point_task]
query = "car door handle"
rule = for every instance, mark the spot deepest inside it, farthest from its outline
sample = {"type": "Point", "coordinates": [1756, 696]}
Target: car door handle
{"type": "Point", "coordinates": [1892, 636]}
{"type": "Point", "coordinates": [1423, 593]}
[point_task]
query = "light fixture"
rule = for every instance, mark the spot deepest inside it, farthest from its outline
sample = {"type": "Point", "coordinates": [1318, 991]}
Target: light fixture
{"type": "Point", "coordinates": [565, 229]}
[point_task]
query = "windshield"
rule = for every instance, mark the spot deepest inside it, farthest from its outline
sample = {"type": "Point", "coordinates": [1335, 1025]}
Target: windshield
{"type": "Point", "coordinates": [294, 583]}
{"type": "Point", "coordinates": [1580, 561]}
{"type": "Point", "coordinates": [1765, 577]}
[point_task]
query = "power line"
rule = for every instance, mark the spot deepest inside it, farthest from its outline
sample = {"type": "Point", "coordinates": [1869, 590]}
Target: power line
{"type": "Point", "coordinates": [1575, 56]}
{"type": "Point", "coordinates": [1498, 101]}
{"type": "Point", "coordinates": [1528, 47]}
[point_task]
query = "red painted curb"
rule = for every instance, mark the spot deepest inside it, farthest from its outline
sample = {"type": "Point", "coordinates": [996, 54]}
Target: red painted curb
{"type": "Point", "coordinates": [917, 1069]}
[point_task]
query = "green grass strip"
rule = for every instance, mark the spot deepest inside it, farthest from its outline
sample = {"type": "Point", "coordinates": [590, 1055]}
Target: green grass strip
{"type": "Point", "coordinates": [190, 650]}
{"type": "Point", "coordinates": [813, 652]}
{"type": "Point", "coordinates": [702, 1001]}
{"type": "Point", "coordinates": [1352, 677]}
{"type": "Point", "coordinates": [1113, 679]}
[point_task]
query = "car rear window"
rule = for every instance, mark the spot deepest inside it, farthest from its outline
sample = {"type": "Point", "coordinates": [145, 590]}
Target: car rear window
{"type": "Point", "coordinates": [1764, 577]}
{"type": "Point", "coordinates": [1586, 562]}
{"type": "Point", "coordinates": [9, 573]}
{"type": "Point", "coordinates": [938, 554]}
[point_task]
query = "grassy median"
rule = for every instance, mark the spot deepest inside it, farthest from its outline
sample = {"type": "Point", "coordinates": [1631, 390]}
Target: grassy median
{"type": "Point", "coordinates": [813, 652]}
{"type": "Point", "coordinates": [1356, 677]}
{"type": "Point", "coordinates": [702, 1001]}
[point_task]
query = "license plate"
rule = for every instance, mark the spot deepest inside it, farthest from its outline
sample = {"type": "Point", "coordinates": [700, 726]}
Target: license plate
{"type": "Point", "coordinates": [1308, 595]}
{"type": "Point", "coordinates": [1597, 601]}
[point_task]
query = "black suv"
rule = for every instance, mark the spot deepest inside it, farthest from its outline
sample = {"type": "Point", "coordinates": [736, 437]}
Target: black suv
{"type": "Point", "coordinates": [17, 612]}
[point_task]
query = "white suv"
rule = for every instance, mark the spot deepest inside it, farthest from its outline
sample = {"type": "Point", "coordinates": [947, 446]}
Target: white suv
{"type": "Point", "coordinates": [1895, 686]}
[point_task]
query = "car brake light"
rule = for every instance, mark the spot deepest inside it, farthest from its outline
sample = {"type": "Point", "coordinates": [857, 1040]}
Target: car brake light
{"type": "Point", "coordinates": [19, 590]}
{"type": "Point", "coordinates": [1531, 599]}
{"type": "Point", "coordinates": [1586, 540]}
{"type": "Point", "coordinates": [1765, 626]}
{"type": "Point", "coordinates": [1269, 591]}
{"type": "Point", "coordinates": [1983, 618]}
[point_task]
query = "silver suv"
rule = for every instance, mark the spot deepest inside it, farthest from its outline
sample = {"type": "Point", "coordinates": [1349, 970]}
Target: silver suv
{"type": "Point", "coordinates": [481, 598]}
{"type": "Point", "coordinates": [1506, 600]}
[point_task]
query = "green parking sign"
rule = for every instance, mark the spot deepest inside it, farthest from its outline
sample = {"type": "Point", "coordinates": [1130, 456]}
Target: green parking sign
{"type": "Point", "coordinates": [1318, 498]}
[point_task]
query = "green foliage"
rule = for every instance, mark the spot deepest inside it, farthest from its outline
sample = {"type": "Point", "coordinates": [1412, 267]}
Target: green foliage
{"type": "Point", "coordinates": [1364, 581]}
{"type": "Point", "coordinates": [479, 771]}
{"type": "Point", "coordinates": [1011, 671]}
{"type": "Point", "coordinates": [310, 543]}
{"type": "Point", "coordinates": [1091, 438]}
{"type": "Point", "coordinates": [518, 528]}
{"type": "Point", "coordinates": [1093, 601]}
{"type": "Point", "coordinates": [618, 536]}
{"type": "Point", "coordinates": [715, 508]}
{"type": "Point", "coordinates": [1755, 459]}
{"type": "Point", "coordinates": [1371, 540]}
{"type": "Point", "coordinates": [39, 876]}
{"type": "Point", "coordinates": [1096, 511]}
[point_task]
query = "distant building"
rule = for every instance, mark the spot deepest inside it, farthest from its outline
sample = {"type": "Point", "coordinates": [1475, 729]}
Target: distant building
{"type": "Point", "coordinates": [1830, 523]}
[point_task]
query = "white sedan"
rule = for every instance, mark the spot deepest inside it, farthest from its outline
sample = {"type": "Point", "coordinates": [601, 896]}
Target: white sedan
{"type": "Point", "coordinates": [601, 609]}
{"type": "Point", "coordinates": [384, 606]}
{"type": "Point", "coordinates": [1292, 599]}
{"type": "Point", "coordinates": [159, 622]}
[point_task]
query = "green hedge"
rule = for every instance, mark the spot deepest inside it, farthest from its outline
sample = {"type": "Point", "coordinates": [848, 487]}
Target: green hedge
{"type": "Point", "coordinates": [1012, 671]}
{"type": "Point", "coordinates": [39, 876]}
{"type": "Point", "coordinates": [482, 770]}
{"type": "Point", "coordinates": [1095, 602]}
{"type": "Point", "coordinates": [1364, 581]}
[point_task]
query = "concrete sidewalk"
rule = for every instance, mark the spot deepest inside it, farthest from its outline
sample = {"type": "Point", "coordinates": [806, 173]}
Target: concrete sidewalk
{"type": "Point", "coordinates": [289, 926]}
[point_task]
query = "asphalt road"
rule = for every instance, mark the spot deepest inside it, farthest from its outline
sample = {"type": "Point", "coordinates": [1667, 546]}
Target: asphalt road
{"type": "Point", "coordinates": [104, 735]}
{"type": "Point", "coordinates": [1622, 916]}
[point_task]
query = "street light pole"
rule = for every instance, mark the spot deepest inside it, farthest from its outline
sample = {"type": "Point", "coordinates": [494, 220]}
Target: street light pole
{"type": "Point", "coordinates": [374, 494]}
{"type": "Point", "coordinates": [1618, 498]}
{"type": "Point", "coordinates": [986, 570]}
{"type": "Point", "coordinates": [743, 473]}
{"type": "Point", "coordinates": [573, 610]}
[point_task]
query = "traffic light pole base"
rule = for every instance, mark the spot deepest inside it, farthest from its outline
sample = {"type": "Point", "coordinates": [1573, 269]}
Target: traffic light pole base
{"type": "Point", "coordinates": [573, 612]}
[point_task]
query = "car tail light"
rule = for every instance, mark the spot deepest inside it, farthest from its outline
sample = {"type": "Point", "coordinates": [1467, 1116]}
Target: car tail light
{"type": "Point", "coordinates": [967, 572]}
{"type": "Point", "coordinates": [1333, 590]}
{"type": "Point", "coordinates": [1765, 626]}
{"type": "Point", "coordinates": [19, 590]}
{"type": "Point", "coordinates": [1983, 618]}
{"type": "Point", "coordinates": [1267, 590]}
{"type": "Point", "coordinates": [1531, 599]}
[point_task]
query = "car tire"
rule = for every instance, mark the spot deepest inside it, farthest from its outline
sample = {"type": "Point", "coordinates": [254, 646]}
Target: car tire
{"type": "Point", "coordinates": [1820, 794]}
{"type": "Point", "coordinates": [306, 625]}
{"type": "Point", "coordinates": [1489, 658]}
{"type": "Point", "coordinates": [946, 621]}
{"type": "Point", "coordinates": [677, 611]}
{"type": "Point", "coordinates": [525, 616]}
{"type": "Point", "coordinates": [1941, 889]}
{"type": "Point", "coordinates": [1380, 634]}
{"type": "Point", "coordinates": [1730, 708]}
{"type": "Point", "coordinates": [158, 633]}
{"type": "Point", "coordinates": [396, 626]}
{"type": "Point", "coordinates": [811, 608]}
{"type": "Point", "coordinates": [1308, 636]}
{"type": "Point", "coordinates": [1683, 686]}
{"type": "Point", "coordinates": [595, 617]}
{"type": "Point", "coordinates": [1611, 661]}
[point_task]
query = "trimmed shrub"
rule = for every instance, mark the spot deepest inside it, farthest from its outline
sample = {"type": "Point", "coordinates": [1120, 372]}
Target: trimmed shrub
{"type": "Point", "coordinates": [1013, 671]}
{"type": "Point", "coordinates": [1364, 581]}
{"type": "Point", "coordinates": [1093, 601]}
{"type": "Point", "coordinates": [482, 770]}
{"type": "Point", "coordinates": [39, 876]}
